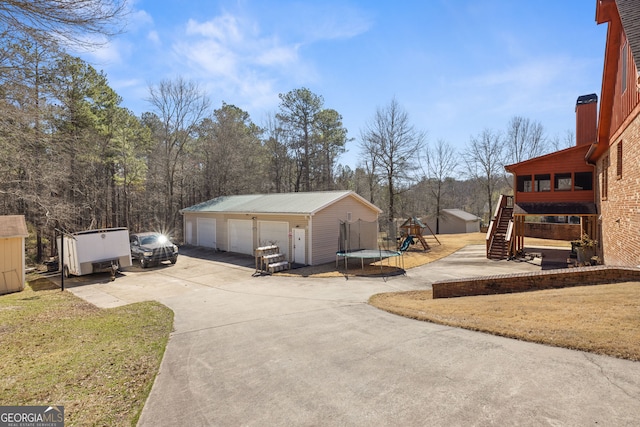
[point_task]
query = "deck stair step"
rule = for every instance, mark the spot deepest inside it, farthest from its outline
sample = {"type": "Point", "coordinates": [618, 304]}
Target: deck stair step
{"type": "Point", "coordinates": [278, 266]}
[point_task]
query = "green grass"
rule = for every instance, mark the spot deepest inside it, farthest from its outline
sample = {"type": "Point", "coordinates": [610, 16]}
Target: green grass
{"type": "Point", "coordinates": [99, 364]}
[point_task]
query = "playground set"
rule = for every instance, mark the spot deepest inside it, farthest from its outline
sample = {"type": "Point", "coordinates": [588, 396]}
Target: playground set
{"type": "Point", "coordinates": [411, 230]}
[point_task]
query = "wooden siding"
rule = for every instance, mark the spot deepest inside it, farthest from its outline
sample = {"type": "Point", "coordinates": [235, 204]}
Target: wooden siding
{"type": "Point", "coordinates": [620, 101]}
{"type": "Point", "coordinates": [586, 119]}
{"type": "Point", "coordinates": [625, 101]}
{"type": "Point", "coordinates": [565, 161]}
{"type": "Point", "coordinates": [11, 264]}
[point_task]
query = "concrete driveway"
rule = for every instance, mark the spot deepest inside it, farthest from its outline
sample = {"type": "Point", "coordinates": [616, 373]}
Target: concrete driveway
{"type": "Point", "coordinates": [260, 351]}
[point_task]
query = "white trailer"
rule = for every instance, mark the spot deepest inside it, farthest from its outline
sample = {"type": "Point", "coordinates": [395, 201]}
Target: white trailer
{"type": "Point", "coordinates": [91, 251]}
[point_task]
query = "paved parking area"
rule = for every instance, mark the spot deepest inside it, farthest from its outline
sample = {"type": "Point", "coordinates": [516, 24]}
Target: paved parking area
{"type": "Point", "coordinates": [307, 351]}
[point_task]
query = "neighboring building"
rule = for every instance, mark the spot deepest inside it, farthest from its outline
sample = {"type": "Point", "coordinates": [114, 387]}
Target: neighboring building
{"type": "Point", "coordinates": [616, 151]}
{"type": "Point", "coordinates": [305, 226]}
{"type": "Point", "coordinates": [13, 231]}
{"type": "Point", "coordinates": [453, 221]}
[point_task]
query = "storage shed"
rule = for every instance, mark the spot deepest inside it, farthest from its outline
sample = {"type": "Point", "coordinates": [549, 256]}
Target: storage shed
{"type": "Point", "coordinates": [13, 231]}
{"type": "Point", "coordinates": [453, 221]}
{"type": "Point", "coordinates": [305, 226]}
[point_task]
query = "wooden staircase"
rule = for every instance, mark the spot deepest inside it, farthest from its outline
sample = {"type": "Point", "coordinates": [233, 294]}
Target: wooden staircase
{"type": "Point", "coordinates": [498, 236]}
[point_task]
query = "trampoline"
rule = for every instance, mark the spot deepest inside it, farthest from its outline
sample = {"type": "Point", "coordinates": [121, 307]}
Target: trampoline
{"type": "Point", "coordinates": [358, 239]}
{"type": "Point", "coordinates": [363, 254]}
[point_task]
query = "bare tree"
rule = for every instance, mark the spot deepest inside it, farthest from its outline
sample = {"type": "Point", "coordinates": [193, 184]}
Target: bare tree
{"type": "Point", "coordinates": [524, 140]}
{"type": "Point", "coordinates": [69, 21]}
{"type": "Point", "coordinates": [180, 106]}
{"type": "Point", "coordinates": [441, 162]}
{"type": "Point", "coordinates": [394, 145]}
{"type": "Point", "coordinates": [484, 157]}
{"type": "Point", "coordinates": [569, 140]}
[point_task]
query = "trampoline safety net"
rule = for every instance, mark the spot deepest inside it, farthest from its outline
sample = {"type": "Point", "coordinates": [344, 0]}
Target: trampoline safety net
{"type": "Point", "coordinates": [358, 235]}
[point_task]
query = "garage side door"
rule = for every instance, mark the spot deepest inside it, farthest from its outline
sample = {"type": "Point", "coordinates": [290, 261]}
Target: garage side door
{"type": "Point", "coordinates": [207, 232]}
{"type": "Point", "coordinates": [241, 236]}
{"type": "Point", "coordinates": [274, 233]}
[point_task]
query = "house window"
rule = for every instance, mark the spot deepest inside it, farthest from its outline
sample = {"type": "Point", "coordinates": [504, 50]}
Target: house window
{"type": "Point", "coordinates": [624, 67]}
{"type": "Point", "coordinates": [349, 216]}
{"type": "Point", "coordinates": [584, 181]}
{"type": "Point", "coordinates": [524, 184]}
{"type": "Point", "coordinates": [562, 182]}
{"type": "Point", "coordinates": [543, 182]}
{"type": "Point", "coordinates": [605, 178]}
{"type": "Point", "coordinates": [619, 161]}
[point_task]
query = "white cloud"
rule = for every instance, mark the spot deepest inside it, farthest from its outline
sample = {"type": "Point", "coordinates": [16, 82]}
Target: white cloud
{"type": "Point", "coordinates": [154, 37]}
{"type": "Point", "coordinates": [208, 57]}
{"type": "Point", "coordinates": [277, 55]}
{"type": "Point", "coordinates": [224, 29]}
{"type": "Point", "coordinates": [139, 19]}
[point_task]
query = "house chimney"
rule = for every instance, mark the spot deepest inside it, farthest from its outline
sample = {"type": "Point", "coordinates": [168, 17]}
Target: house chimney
{"type": "Point", "coordinates": [586, 119]}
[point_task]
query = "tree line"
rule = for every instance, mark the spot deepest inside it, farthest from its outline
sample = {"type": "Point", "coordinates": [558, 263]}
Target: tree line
{"type": "Point", "coordinates": [72, 158]}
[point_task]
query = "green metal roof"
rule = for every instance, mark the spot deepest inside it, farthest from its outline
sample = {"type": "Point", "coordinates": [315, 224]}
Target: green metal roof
{"type": "Point", "coordinates": [276, 203]}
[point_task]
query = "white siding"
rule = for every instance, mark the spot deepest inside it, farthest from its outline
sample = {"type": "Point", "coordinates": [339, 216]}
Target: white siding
{"type": "Point", "coordinates": [326, 227]}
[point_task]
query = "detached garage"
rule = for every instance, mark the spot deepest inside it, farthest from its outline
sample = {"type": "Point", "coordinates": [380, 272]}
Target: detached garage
{"type": "Point", "coordinates": [305, 226]}
{"type": "Point", "coordinates": [13, 231]}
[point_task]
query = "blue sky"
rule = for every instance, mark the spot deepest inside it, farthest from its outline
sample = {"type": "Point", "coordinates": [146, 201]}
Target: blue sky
{"type": "Point", "coordinates": [456, 66]}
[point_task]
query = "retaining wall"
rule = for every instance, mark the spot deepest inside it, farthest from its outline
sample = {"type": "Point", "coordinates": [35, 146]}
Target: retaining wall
{"type": "Point", "coordinates": [550, 279]}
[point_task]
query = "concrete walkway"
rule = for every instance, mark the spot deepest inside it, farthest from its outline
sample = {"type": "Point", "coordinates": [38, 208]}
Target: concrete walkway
{"type": "Point", "coordinates": [306, 351]}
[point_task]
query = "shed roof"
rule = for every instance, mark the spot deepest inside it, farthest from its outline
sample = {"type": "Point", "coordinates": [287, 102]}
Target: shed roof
{"type": "Point", "coordinates": [13, 226]}
{"type": "Point", "coordinates": [459, 213]}
{"type": "Point", "coordinates": [277, 203]}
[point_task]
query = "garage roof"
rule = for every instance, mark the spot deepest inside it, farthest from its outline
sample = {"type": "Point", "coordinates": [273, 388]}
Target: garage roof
{"type": "Point", "coordinates": [13, 226]}
{"type": "Point", "coordinates": [463, 215]}
{"type": "Point", "coordinates": [277, 203]}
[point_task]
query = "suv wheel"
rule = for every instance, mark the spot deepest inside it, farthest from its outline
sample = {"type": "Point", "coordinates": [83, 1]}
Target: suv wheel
{"type": "Point", "coordinates": [174, 260]}
{"type": "Point", "coordinates": [143, 263]}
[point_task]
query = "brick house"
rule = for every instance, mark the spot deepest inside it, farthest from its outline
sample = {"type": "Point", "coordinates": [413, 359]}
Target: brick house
{"type": "Point", "coordinates": [616, 151]}
{"type": "Point", "coordinates": [607, 142]}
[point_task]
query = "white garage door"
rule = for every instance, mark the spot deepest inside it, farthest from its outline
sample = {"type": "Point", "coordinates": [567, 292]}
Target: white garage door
{"type": "Point", "coordinates": [241, 236]}
{"type": "Point", "coordinates": [274, 233]}
{"type": "Point", "coordinates": [207, 232]}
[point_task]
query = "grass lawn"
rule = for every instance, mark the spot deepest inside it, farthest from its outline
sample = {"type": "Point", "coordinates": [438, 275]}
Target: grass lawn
{"type": "Point", "coordinates": [99, 364]}
{"type": "Point", "coordinates": [601, 319]}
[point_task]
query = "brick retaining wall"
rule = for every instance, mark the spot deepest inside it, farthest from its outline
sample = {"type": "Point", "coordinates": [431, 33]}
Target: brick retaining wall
{"type": "Point", "coordinates": [549, 279]}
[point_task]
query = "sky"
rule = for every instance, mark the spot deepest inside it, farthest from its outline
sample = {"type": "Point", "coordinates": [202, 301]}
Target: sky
{"type": "Point", "coordinates": [456, 67]}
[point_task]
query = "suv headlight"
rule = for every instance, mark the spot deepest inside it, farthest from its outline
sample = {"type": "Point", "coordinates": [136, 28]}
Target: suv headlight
{"type": "Point", "coordinates": [175, 248]}
{"type": "Point", "coordinates": [147, 253]}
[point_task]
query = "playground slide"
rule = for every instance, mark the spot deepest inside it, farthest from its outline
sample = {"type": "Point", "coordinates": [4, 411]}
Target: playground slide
{"type": "Point", "coordinates": [406, 243]}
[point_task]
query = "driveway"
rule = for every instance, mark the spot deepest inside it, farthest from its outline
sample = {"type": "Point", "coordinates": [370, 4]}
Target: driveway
{"type": "Point", "coordinates": [275, 350]}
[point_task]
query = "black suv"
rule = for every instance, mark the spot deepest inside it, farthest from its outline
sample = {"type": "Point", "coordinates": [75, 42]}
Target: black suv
{"type": "Point", "coordinates": [150, 247]}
